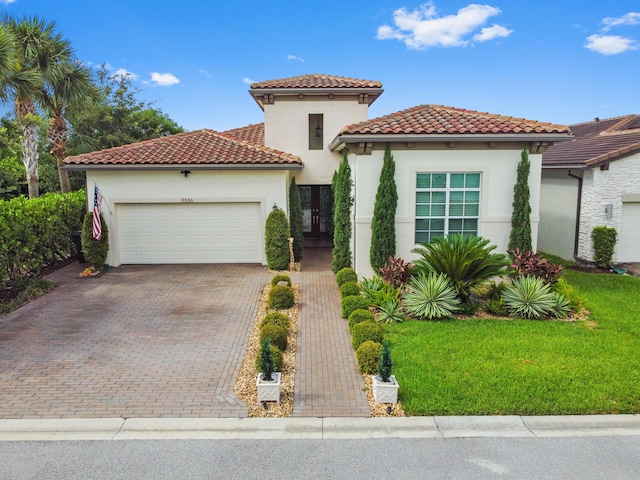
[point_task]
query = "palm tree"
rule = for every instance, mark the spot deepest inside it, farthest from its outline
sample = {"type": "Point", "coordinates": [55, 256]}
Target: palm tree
{"type": "Point", "coordinates": [41, 54]}
{"type": "Point", "coordinates": [70, 89]}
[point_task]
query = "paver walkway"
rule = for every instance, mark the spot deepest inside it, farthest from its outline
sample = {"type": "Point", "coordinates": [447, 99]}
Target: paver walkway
{"type": "Point", "coordinates": [327, 381]}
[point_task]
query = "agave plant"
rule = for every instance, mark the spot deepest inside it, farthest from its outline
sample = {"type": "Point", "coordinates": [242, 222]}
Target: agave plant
{"type": "Point", "coordinates": [529, 297]}
{"type": "Point", "coordinates": [430, 296]}
{"type": "Point", "coordinates": [466, 260]}
{"type": "Point", "coordinates": [390, 311]}
{"type": "Point", "coordinates": [561, 307]}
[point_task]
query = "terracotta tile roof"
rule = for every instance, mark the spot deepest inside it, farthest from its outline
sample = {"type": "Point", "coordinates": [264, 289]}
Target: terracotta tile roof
{"type": "Point", "coordinates": [200, 147]}
{"type": "Point", "coordinates": [438, 119]}
{"type": "Point", "coordinates": [253, 133]}
{"type": "Point", "coordinates": [316, 81]}
{"type": "Point", "coordinates": [595, 143]}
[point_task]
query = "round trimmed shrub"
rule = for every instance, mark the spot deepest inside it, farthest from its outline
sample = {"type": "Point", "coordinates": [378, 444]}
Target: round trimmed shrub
{"type": "Point", "coordinates": [280, 277]}
{"type": "Point", "coordinates": [95, 251]}
{"type": "Point", "coordinates": [276, 334]}
{"type": "Point", "coordinates": [349, 289]}
{"type": "Point", "coordinates": [276, 357]}
{"type": "Point", "coordinates": [368, 355]}
{"type": "Point", "coordinates": [360, 315]}
{"type": "Point", "coordinates": [363, 331]}
{"type": "Point", "coordinates": [345, 275]}
{"type": "Point", "coordinates": [351, 303]}
{"type": "Point", "coordinates": [281, 297]}
{"type": "Point", "coordinates": [276, 318]}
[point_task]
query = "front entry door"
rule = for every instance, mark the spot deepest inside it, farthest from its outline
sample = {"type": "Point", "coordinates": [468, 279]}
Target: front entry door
{"type": "Point", "coordinates": [317, 201]}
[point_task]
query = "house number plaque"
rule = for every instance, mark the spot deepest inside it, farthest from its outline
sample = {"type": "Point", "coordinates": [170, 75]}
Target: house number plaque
{"type": "Point", "coordinates": [187, 200]}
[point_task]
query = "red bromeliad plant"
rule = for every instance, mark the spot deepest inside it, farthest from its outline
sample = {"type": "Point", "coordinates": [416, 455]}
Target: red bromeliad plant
{"type": "Point", "coordinates": [396, 272]}
{"type": "Point", "coordinates": [531, 264]}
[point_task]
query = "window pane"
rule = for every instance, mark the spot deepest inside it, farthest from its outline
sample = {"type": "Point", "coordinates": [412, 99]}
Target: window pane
{"type": "Point", "coordinates": [472, 197]}
{"type": "Point", "coordinates": [423, 180]}
{"type": "Point", "coordinates": [456, 210]}
{"type": "Point", "coordinates": [439, 197]}
{"type": "Point", "coordinates": [437, 235]}
{"type": "Point", "coordinates": [439, 180]}
{"type": "Point", "coordinates": [437, 224]}
{"type": "Point", "coordinates": [437, 210]}
{"type": "Point", "coordinates": [471, 210]}
{"type": "Point", "coordinates": [456, 197]}
{"type": "Point", "coordinates": [455, 224]}
{"type": "Point", "coordinates": [473, 180]}
{"type": "Point", "coordinates": [470, 224]}
{"type": "Point", "coordinates": [457, 180]}
{"type": "Point", "coordinates": [423, 197]}
{"type": "Point", "coordinates": [423, 210]}
{"type": "Point", "coordinates": [422, 237]}
{"type": "Point", "coordinates": [422, 224]}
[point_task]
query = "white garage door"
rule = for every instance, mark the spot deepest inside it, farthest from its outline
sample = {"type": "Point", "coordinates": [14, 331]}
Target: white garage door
{"type": "Point", "coordinates": [628, 248]}
{"type": "Point", "coordinates": [190, 233]}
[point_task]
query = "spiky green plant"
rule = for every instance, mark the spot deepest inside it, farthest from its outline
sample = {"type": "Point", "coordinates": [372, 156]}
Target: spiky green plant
{"type": "Point", "coordinates": [265, 364]}
{"type": "Point", "coordinates": [430, 296]}
{"type": "Point", "coordinates": [386, 364]}
{"type": "Point", "coordinates": [376, 291]}
{"type": "Point", "coordinates": [390, 311]}
{"type": "Point", "coordinates": [466, 260]}
{"type": "Point", "coordinates": [561, 306]}
{"type": "Point", "coordinates": [529, 297]}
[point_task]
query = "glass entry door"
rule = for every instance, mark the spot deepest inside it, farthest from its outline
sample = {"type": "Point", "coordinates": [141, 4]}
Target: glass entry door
{"type": "Point", "coordinates": [317, 202]}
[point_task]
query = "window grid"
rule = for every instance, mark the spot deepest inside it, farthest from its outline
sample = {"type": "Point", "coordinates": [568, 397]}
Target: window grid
{"type": "Point", "coordinates": [446, 203]}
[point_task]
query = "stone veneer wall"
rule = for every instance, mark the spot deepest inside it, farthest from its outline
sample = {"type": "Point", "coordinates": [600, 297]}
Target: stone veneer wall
{"type": "Point", "coordinates": [603, 187]}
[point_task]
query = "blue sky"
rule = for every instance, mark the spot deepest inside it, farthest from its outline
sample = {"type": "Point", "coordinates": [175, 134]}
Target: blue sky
{"type": "Point", "coordinates": [556, 61]}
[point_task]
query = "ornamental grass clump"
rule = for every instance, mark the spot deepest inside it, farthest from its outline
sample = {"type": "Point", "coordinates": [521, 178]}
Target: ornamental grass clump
{"type": "Point", "coordinates": [430, 296]}
{"type": "Point", "coordinates": [368, 355]}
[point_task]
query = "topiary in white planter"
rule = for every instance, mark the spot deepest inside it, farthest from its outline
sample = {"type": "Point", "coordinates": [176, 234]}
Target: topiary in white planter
{"type": "Point", "coordinates": [269, 391]}
{"type": "Point", "coordinates": [385, 392]}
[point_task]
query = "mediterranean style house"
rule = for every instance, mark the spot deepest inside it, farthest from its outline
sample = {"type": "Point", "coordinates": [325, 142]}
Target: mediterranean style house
{"type": "Point", "coordinates": [592, 181]}
{"type": "Point", "coordinates": [203, 196]}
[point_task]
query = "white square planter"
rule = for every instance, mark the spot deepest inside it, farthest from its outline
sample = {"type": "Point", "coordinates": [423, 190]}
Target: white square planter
{"type": "Point", "coordinates": [385, 392]}
{"type": "Point", "coordinates": [269, 391]}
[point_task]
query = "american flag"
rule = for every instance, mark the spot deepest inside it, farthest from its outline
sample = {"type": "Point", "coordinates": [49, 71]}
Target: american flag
{"type": "Point", "coordinates": [97, 205]}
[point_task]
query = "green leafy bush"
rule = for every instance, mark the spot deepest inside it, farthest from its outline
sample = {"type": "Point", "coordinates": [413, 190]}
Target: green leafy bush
{"type": "Point", "coordinates": [349, 289]}
{"type": "Point", "coordinates": [363, 331]}
{"type": "Point", "coordinates": [95, 251]}
{"type": "Point", "coordinates": [360, 315]}
{"type": "Point", "coordinates": [604, 243]}
{"type": "Point", "coordinates": [354, 302]}
{"type": "Point", "coordinates": [385, 366]}
{"type": "Point", "coordinates": [276, 358]}
{"type": "Point", "coordinates": [496, 306]}
{"type": "Point", "coordinates": [346, 275]}
{"type": "Point", "coordinates": [376, 291]}
{"type": "Point", "coordinates": [529, 297]}
{"type": "Point", "coordinates": [276, 335]}
{"type": "Point", "coordinates": [281, 297]}
{"type": "Point", "coordinates": [571, 293]}
{"type": "Point", "coordinates": [390, 311]}
{"type": "Point", "coordinates": [467, 261]}
{"type": "Point", "coordinates": [277, 240]}
{"type": "Point", "coordinates": [276, 318]}
{"type": "Point", "coordinates": [430, 296]}
{"type": "Point", "coordinates": [265, 360]}
{"type": "Point", "coordinates": [280, 277]}
{"type": "Point", "coordinates": [368, 355]}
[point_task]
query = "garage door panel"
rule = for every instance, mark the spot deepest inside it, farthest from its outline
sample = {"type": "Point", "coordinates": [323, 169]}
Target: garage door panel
{"type": "Point", "coordinates": [190, 233]}
{"type": "Point", "coordinates": [628, 248]}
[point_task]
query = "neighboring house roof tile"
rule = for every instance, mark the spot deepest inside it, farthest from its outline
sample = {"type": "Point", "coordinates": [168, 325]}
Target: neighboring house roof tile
{"type": "Point", "coordinates": [595, 143]}
{"type": "Point", "coordinates": [316, 81]}
{"type": "Point", "coordinates": [438, 119]}
{"type": "Point", "coordinates": [201, 147]}
{"type": "Point", "coordinates": [253, 133]}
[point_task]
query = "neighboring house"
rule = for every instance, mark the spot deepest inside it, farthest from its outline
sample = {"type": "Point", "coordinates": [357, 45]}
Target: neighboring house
{"type": "Point", "coordinates": [592, 181]}
{"type": "Point", "coordinates": [204, 196]}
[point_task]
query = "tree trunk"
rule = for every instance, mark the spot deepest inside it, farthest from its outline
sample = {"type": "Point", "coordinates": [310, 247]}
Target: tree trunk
{"type": "Point", "coordinates": [29, 144]}
{"type": "Point", "coordinates": [58, 139]}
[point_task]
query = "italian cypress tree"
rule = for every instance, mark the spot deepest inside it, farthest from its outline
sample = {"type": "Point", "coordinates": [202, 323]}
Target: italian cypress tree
{"type": "Point", "coordinates": [383, 225]}
{"type": "Point", "coordinates": [342, 216]}
{"type": "Point", "coordinates": [277, 240]}
{"type": "Point", "coordinates": [520, 236]}
{"type": "Point", "coordinates": [295, 220]}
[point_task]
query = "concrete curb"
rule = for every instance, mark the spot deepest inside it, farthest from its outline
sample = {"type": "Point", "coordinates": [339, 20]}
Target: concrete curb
{"type": "Point", "coordinates": [317, 428]}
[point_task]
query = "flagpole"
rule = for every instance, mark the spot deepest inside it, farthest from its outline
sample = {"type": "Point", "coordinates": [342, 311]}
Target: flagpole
{"type": "Point", "coordinates": [106, 203]}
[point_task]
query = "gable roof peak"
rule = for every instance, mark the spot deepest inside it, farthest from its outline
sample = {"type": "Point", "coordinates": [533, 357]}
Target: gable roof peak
{"type": "Point", "coordinates": [316, 80]}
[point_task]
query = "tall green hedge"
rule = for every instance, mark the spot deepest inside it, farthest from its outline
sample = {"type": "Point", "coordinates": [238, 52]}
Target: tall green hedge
{"type": "Point", "coordinates": [277, 240]}
{"type": "Point", "coordinates": [295, 220]}
{"type": "Point", "coordinates": [383, 224]}
{"type": "Point", "coordinates": [36, 232]}
{"type": "Point", "coordinates": [604, 244]}
{"type": "Point", "coordinates": [342, 216]}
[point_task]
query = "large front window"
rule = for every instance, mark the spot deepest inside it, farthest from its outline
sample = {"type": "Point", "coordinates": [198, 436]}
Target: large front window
{"type": "Point", "coordinates": [446, 203]}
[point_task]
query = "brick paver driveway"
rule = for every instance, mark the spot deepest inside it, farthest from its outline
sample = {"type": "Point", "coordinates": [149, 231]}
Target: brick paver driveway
{"type": "Point", "coordinates": [140, 341]}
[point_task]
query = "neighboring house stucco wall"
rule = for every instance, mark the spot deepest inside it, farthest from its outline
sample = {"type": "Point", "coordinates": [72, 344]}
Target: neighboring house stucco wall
{"type": "Point", "coordinates": [267, 187]}
{"type": "Point", "coordinates": [498, 168]}
{"type": "Point", "coordinates": [601, 188]}
{"type": "Point", "coordinates": [287, 129]}
{"type": "Point", "coordinates": [558, 210]}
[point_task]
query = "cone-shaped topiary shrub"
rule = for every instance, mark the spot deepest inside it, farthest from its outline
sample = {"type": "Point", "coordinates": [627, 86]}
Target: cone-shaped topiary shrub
{"type": "Point", "coordinates": [95, 251]}
{"type": "Point", "coordinates": [265, 360]}
{"type": "Point", "coordinates": [276, 318]}
{"type": "Point", "coordinates": [276, 335]}
{"type": "Point", "coordinates": [368, 355]}
{"type": "Point", "coordinates": [386, 364]}
{"type": "Point", "coordinates": [281, 297]}
{"type": "Point", "coordinates": [349, 289]}
{"type": "Point", "coordinates": [383, 224]}
{"type": "Point", "coordinates": [364, 331]}
{"type": "Point", "coordinates": [277, 240]}
{"type": "Point", "coordinates": [276, 358]}
{"type": "Point", "coordinates": [342, 228]}
{"type": "Point", "coordinates": [360, 315]}
{"type": "Point", "coordinates": [346, 275]}
{"type": "Point", "coordinates": [351, 303]}
{"type": "Point", "coordinates": [297, 226]}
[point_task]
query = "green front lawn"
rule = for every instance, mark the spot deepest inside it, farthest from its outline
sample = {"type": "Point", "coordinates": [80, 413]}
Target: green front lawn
{"type": "Point", "coordinates": [527, 367]}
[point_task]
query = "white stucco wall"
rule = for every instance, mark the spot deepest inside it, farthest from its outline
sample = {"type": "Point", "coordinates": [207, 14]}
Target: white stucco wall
{"type": "Point", "coordinates": [287, 129]}
{"type": "Point", "coordinates": [498, 168]}
{"type": "Point", "coordinates": [601, 188]}
{"type": "Point", "coordinates": [558, 210]}
{"type": "Point", "coordinates": [268, 187]}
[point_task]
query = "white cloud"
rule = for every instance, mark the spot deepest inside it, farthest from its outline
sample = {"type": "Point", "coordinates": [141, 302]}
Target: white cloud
{"type": "Point", "coordinates": [292, 58]}
{"type": "Point", "coordinates": [164, 79]}
{"type": "Point", "coordinates": [610, 44]}
{"type": "Point", "coordinates": [7, 2]}
{"type": "Point", "coordinates": [423, 28]}
{"type": "Point", "coordinates": [123, 73]}
{"type": "Point", "coordinates": [248, 81]}
{"type": "Point", "coordinates": [489, 33]}
{"type": "Point", "coordinates": [206, 73]}
{"type": "Point", "coordinates": [631, 18]}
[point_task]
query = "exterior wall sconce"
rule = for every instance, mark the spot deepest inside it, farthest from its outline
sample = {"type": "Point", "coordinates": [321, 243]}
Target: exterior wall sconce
{"type": "Point", "coordinates": [608, 210]}
{"type": "Point", "coordinates": [275, 207]}
{"type": "Point", "coordinates": [318, 131]}
{"type": "Point", "coordinates": [185, 173]}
